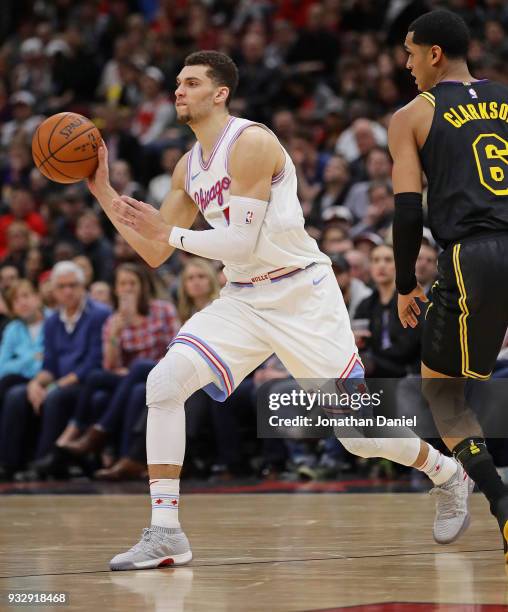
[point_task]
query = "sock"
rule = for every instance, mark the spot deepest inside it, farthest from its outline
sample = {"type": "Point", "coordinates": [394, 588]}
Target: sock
{"type": "Point", "coordinates": [478, 463]}
{"type": "Point", "coordinates": [438, 467]}
{"type": "Point", "coordinates": [165, 494]}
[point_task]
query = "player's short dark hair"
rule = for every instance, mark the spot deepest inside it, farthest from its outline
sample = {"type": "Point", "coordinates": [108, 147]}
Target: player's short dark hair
{"type": "Point", "coordinates": [221, 69]}
{"type": "Point", "coordinates": [443, 28]}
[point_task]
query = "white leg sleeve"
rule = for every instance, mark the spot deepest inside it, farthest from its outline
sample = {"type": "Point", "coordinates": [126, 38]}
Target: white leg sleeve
{"type": "Point", "coordinates": [401, 450]}
{"type": "Point", "coordinates": [171, 382]}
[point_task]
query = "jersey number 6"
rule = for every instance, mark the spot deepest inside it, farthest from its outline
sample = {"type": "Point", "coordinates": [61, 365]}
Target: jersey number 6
{"type": "Point", "coordinates": [491, 154]}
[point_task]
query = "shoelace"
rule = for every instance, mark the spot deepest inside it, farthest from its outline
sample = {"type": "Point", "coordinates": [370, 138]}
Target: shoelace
{"type": "Point", "coordinates": [147, 538]}
{"type": "Point", "coordinates": [447, 502]}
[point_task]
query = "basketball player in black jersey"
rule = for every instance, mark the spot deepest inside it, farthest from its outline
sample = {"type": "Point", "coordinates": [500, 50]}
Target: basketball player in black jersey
{"type": "Point", "coordinates": [456, 132]}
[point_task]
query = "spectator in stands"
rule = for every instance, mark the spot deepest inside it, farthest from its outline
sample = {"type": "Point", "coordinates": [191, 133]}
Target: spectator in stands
{"type": "Point", "coordinates": [359, 265]}
{"type": "Point", "coordinates": [110, 82]}
{"type": "Point", "coordinates": [45, 287]}
{"type": "Point", "coordinates": [134, 338]}
{"type": "Point", "coordinates": [155, 112]}
{"type": "Point", "coordinates": [22, 208]}
{"type": "Point", "coordinates": [336, 186]}
{"type": "Point", "coordinates": [353, 290]}
{"type": "Point", "coordinates": [378, 164]}
{"type": "Point", "coordinates": [74, 68]}
{"type": "Point", "coordinates": [357, 141]}
{"type": "Point", "coordinates": [24, 122]}
{"type": "Point", "coordinates": [31, 73]}
{"type": "Point", "coordinates": [160, 185]}
{"type": "Point", "coordinates": [95, 246]}
{"type": "Point", "coordinates": [34, 265]}
{"type": "Point", "coordinates": [387, 349]}
{"type": "Point", "coordinates": [120, 142]}
{"type": "Point", "coordinates": [309, 165]}
{"type": "Point", "coordinates": [72, 349]}
{"type": "Point", "coordinates": [21, 352]}
{"type": "Point", "coordinates": [258, 85]}
{"type": "Point", "coordinates": [129, 95]}
{"type": "Point", "coordinates": [366, 241]}
{"type": "Point", "coordinates": [101, 292]}
{"type": "Point", "coordinates": [71, 205]}
{"type": "Point", "coordinates": [379, 216]}
{"type": "Point", "coordinates": [8, 276]}
{"type": "Point", "coordinates": [18, 243]}
{"type": "Point", "coordinates": [86, 265]}
{"type": "Point", "coordinates": [426, 267]}
{"type": "Point", "coordinates": [316, 47]}
{"type": "Point", "coordinates": [335, 239]}
{"type": "Point", "coordinates": [198, 287]}
{"type": "Point", "coordinates": [121, 180]}
{"type": "Point", "coordinates": [284, 125]}
{"type": "Point", "coordinates": [123, 252]}
{"type": "Point", "coordinates": [22, 344]}
{"type": "Point", "coordinates": [16, 167]}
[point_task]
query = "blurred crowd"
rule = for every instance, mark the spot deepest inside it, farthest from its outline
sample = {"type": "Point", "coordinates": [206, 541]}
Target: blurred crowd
{"type": "Point", "coordinates": [83, 319]}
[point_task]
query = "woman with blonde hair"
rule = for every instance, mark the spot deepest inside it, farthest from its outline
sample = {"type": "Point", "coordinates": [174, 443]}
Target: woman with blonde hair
{"type": "Point", "coordinates": [198, 287]}
{"type": "Point", "coordinates": [21, 351]}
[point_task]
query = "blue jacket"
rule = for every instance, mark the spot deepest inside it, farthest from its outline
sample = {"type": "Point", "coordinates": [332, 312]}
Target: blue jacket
{"type": "Point", "coordinates": [79, 352]}
{"type": "Point", "coordinates": [19, 354]}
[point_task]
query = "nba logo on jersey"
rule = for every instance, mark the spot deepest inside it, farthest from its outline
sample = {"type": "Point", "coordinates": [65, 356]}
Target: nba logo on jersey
{"type": "Point", "coordinates": [473, 93]}
{"type": "Point", "coordinates": [249, 216]}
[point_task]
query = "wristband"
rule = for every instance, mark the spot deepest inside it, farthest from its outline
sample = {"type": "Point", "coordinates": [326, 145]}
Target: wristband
{"type": "Point", "coordinates": [407, 239]}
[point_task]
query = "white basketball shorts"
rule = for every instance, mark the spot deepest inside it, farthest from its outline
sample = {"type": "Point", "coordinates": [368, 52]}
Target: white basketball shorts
{"type": "Point", "coordinates": [302, 319]}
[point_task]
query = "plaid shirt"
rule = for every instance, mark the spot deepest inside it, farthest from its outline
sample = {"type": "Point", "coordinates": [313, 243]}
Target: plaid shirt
{"type": "Point", "coordinates": [150, 339]}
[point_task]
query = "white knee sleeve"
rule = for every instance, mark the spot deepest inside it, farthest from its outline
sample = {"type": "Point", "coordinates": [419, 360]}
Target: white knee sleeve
{"type": "Point", "coordinates": [401, 450]}
{"type": "Point", "coordinates": [171, 382]}
{"type": "Point", "coordinates": [176, 377]}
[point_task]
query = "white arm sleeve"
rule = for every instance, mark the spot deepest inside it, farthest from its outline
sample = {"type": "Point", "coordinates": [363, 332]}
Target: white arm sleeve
{"type": "Point", "coordinates": [233, 243]}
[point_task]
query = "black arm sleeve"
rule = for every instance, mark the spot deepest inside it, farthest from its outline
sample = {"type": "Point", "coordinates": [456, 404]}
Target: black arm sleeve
{"type": "Point", "coordinates": [407, 238]}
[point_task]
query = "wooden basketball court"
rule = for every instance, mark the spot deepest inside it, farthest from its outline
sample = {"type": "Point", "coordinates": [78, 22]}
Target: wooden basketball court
{"type": "Point", "coordinates": [257, 552]}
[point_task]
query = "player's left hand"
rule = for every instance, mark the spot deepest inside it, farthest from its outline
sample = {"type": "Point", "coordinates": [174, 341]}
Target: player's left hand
{"type": "Point", "coordinates": [408, 307]}
{"type": "Point", "coordinates": [143, 218]}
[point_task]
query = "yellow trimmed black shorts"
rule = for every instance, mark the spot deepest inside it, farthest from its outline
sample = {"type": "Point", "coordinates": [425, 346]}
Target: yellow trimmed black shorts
{"type": "Point", "coordinates": [466, 321]}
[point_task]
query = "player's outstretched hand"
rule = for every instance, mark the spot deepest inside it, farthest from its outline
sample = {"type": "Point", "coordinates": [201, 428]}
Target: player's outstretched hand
{"type": "Point", "coordinates": [99, 181]}
{"type": "Point", "coordinates": [141, 217]}
{"type": "Point", "coordinates": [408, 307]}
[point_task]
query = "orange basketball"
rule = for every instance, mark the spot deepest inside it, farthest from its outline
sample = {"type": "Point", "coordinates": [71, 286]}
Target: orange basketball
{"type": "Point", "coordinates": [64, 147]}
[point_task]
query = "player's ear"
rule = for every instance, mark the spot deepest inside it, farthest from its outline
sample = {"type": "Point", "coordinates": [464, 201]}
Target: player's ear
{"type": "Point", "coordinates": [222, 94]}
{"type": "Point", "coordinates": [436, 53]}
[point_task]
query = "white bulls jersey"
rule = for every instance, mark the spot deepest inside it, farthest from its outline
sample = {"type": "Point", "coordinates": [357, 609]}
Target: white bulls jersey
{"type": "Point", "coordinates": [283, 241]}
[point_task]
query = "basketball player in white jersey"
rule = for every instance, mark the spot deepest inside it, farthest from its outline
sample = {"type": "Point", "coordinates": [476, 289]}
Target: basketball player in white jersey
{"type": "Point", "coordinates": [281, 297]}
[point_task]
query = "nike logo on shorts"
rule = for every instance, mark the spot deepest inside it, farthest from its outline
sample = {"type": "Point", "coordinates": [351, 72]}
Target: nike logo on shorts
{"type": "Point", "coordinates": [318, 280]}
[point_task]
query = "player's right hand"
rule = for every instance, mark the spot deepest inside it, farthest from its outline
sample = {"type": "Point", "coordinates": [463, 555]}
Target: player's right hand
{"type": "Point", "coordinates": [408, 307]}
{"type": "Point", "coordinates": [99, 181]}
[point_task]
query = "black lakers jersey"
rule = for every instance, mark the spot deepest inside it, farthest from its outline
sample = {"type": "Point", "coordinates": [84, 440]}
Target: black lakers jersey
{"type": "Point", "coordinates": [465, 159]}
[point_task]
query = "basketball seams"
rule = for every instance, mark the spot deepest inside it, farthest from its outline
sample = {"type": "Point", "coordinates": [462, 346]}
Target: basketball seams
{"type": "Point", "coordinates": [53, 131]}
{"type": "Point", "coordinates": [74, 178]}
{"type": "Point", "coordinates": [92, 127]}
{"type": "Point", "coordinates": [82, 143]}
{"type": "Point", "coordinates": [72, 161]}
{"type": "Point", "coordinates": [38, 134]}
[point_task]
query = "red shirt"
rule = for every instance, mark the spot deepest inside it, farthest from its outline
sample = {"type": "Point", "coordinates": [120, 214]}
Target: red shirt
{"type": "Point", "coordinates": [34, 221]}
